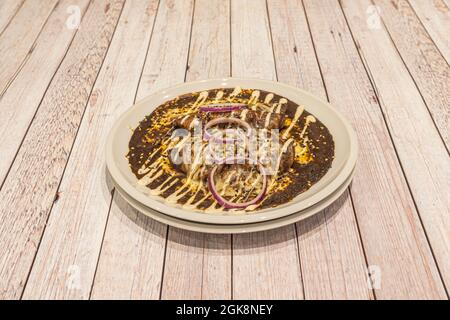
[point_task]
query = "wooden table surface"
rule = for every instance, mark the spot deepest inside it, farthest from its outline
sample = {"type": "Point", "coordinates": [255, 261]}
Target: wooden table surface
{"type": "Point", "coordinates": [69, 68]}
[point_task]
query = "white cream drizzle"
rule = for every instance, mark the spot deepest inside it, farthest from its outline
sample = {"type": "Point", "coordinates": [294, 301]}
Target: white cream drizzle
{"type": "Point", "coordinates": [235, 92]}
{"type": "Point", "coordinates": [144, 168]}
{"type": "Point", "coordinates": [298, 113]}
{"type": "Point", "coordinates": [196, 204]}
{"type": "Point", "coordinates": [219, 95]}
{"type": "Point", "coordinates": [280, 104]}
{"type": "Point", "coordinates": [267, 121]}
{"type": "Point", "coordinates": [309, 119]}
{"type": "Point", "coordinates": [152, 174]}
{"type": "Point", "coordinates": [276, 107]}
{"type": "Point", "coordinates": [195, 122]}
{"type": "Point", "coordinates": [268, 98]}
{"type": "Point", "coordinates": [254, 99]}
{"type": "Point", "coordinates": [159, 190]}
{"type": "Point", "coordinates": [212, 208]}
{"type": "Point", "coordinates": [200, 99]}
{"type": "Point", "coordinates": [244, 114]}
{"type": "Point", "coordinates": [277, 166]}
{"type": "Point", "coordinates": [184, 118]}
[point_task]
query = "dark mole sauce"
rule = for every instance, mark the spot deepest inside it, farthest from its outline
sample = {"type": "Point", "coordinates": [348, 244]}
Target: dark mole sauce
{"type": "Point", "coordinates": [157, 127]}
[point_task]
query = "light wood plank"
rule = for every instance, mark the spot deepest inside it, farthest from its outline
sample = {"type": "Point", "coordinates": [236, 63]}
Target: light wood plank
{"type": "Point", "coordinates": [132, 255]}
{"type": "Point", "coordinates": [167, 56]}
{"type": "Point", "coordinates": [427, 66]}
{"type": "Point", "coordinates": [184, 260]}
{"type": "Point", "coordinates": [197, 265]}
{"type": "Point", "coordinates": [74, 233]}
{"type": "Point", "coordinates": [209, 54]}
{"type": "Point", "coordinates": [265, 264]}
{"type": "Point", "coordinates": [435, 16]}
{"type": "Point", "coordinates": [29, 189]}
{"type": "Point", "coordinates": [217, 271]}
{"type": "Point", "coordinates": [165, 66]}
{"type": "Point", "coordinates": [331, 255]}
{"type": "Point", "coordinates": [20, 102]}
{"type": "Point", "coordinates": [391, 231]}
{"type": "Point", "coordinates": [8, 9]}
{"type": "Point", "coordinates": [251, 45]}
{"type": "Point", "coordinates": [17, 41]}
{"type": "Point", "coordinates": [420, 149]}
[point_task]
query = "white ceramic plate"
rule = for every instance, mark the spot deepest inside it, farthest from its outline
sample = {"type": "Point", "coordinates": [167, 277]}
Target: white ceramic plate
{"type": "Point", "coordinates": [235, 228]}
{"type": "Point", "coordinates": [343, 164]}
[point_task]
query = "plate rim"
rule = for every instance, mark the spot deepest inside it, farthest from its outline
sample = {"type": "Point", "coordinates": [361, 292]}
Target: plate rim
{"type": "Point", "coordinates": [236, 228]}
{"type": "Point", "coordinates": [193, 216]}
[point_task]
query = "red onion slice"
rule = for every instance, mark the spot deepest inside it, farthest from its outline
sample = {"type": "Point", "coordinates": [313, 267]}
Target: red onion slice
{"type": "Point", "coordinates": [223, 107]}
{"type": "Point", "coordinates": [224, 120]}
{"type": "Point", "coordinates": [233, 205]}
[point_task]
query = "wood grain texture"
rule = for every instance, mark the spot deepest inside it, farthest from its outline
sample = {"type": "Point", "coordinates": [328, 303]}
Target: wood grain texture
{"type": "Point", "coordinates": [217, 271]}
{"type": "Point", "coordinates": [210, 52]}
{"type": "Point", "coordinates": [265, 264]}
{"type": "Point", "coordinates": [8, 9]}
{"type": "Point", "coordinates": [197, 265]}
{"type": "Point", "coordinates": [251, 44]}
{"type": "Point", "coordinates": [29, 190]}
{"type": "Point", "coordinates": [165, 65]}
{"type": "Point", "coordinates": [82, 210]}
{"type": "Point", "coordinates": [25, 26]}
{"type": "Point", "coordinates": [392, 235]}
{"type": "Point", "coordinates": [331, 255]}
{"type": "Point", "coordinates": [427, 66]}
{"type": "Point", "coordinates": [423, 155]}
{"type": "Point", "coordinates": [20, 102]}
{"type": "Point", "coordinates": [168, 53]}
{"type": "Point", "coordinates": [435, 16]}
{"type": "Point", "coordinates": [132, 255]}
